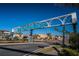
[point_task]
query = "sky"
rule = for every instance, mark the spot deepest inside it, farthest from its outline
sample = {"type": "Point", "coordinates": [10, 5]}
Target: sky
{"type": "Point", "coordinates": [13, 15]}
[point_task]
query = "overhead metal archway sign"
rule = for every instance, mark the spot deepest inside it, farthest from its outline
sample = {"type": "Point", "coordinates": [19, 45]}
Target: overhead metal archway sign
{"type": "Point", "coordinates": [47, 23]}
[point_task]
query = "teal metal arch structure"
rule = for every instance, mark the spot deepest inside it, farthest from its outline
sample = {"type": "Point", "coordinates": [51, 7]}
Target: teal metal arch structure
{"type": "Point", "coordinates": [48, 24]}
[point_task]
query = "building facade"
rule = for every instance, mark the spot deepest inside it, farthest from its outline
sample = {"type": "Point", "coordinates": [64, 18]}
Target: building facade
{"type": "Point", "coordinates": [4, 34]}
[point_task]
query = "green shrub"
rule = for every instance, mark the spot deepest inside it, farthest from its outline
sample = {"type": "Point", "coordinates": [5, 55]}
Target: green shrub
{"type": "Point", "coordinates": [16, 38]}
{"type": "Point", "coordinates": [74, 40]}
{"type": "Point", "coordinates": [70, 52]}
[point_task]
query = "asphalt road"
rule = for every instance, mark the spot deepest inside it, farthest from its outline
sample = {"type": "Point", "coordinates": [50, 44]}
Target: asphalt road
{"type": "Point", "coordinates": [19, 49]}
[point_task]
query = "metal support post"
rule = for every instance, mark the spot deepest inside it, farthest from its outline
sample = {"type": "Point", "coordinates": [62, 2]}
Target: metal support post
{"type": "Point", "coordinates": [63, 42]}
